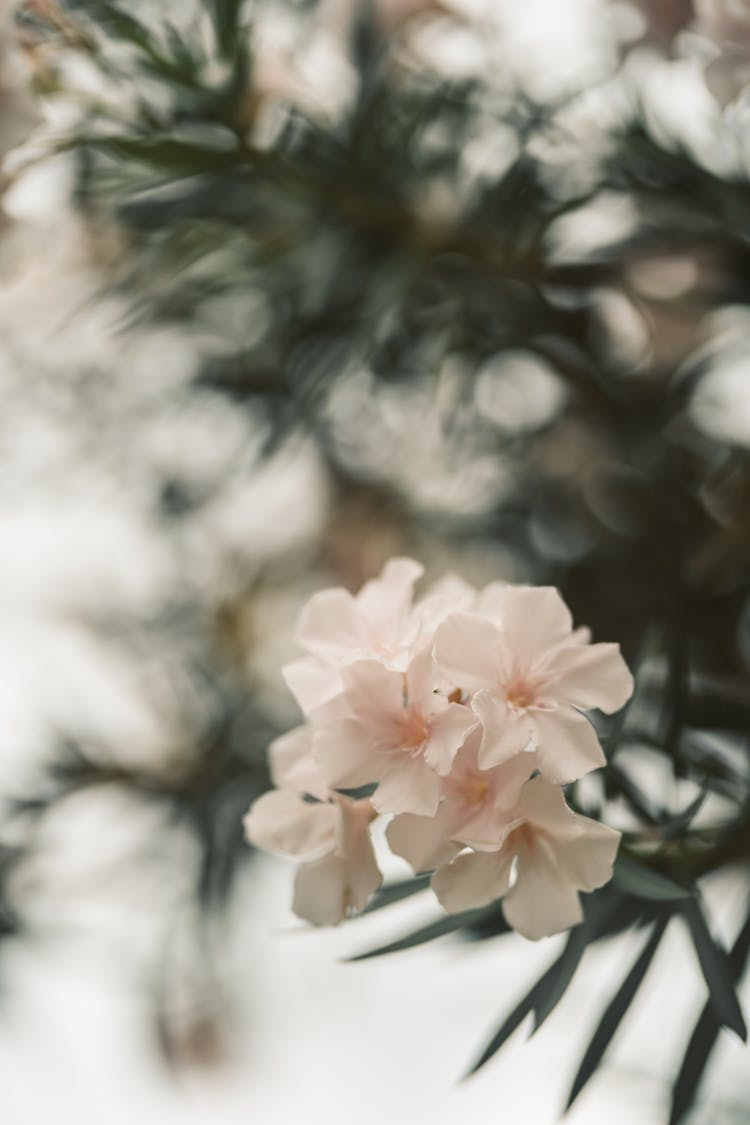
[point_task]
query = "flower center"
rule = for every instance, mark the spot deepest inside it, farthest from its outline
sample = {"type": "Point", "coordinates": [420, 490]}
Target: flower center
{"type": "Point", "coordinates": [415, 730]}
{"type": "Point", "coordinates": [520, 695]}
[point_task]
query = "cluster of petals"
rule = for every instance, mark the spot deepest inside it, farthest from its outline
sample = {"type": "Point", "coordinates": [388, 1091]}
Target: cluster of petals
{"type": "Point", "coordinates": [460, 715]}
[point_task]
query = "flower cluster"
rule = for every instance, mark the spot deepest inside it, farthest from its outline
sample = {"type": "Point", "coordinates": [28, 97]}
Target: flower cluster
{"type": "Point", "coordinates": [461, 716]}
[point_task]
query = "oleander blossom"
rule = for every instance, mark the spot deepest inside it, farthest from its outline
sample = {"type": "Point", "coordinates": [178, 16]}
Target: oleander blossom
{"type": "Point", "coordinates": [460, 714]}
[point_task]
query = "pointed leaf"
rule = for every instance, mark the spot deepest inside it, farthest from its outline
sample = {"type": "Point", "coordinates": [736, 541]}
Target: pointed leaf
{"type": "Point", "coordinates": [442, 926]}
{"type": "Point", "coordinates": [717, 971]}
{"type": "Point", "coordinates": [396, 892]}
{"type": "Point", "coordinates": [614, 1012]}
{"type": "Point", "coordinates": [634, 878]}
{"type": "Point", "coordinates": [555, 980]}
{"type": "Point", "coordinates": [705, 1034]}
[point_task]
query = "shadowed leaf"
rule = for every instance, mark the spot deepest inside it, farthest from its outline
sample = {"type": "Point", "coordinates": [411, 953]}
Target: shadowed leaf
{"type": "Point", "coordinates": [439, 928]}
{"type": "Point", "coordinates": [717, 971]}
{"type": "Point", "coordinates": [396, 892]}
{"type": "Point", "coordinates": [634, 878]}
{"type": "Point", "coordinates": [614, 1012]}
{"type": "Point", "coordinates": [705, 1034]}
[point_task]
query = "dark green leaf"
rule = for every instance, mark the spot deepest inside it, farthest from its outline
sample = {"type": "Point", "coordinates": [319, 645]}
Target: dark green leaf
{"type": "Point", "coordinates": [614, 1012]}
{"type": "Point", "coordinates": [396, 892]}
{"type": "Point", "coordinates": [705, 1034]}
{"type": "Point", "coordinates": [447, 925]}
{"type": "Point", "coordinates": [554, 980]}
{"type": "Point", "coordinates": [564, 971]}
{"type": "Point", "coordinates": [634, 878]}
{"type": "Point", "coordinates": [717, 971]}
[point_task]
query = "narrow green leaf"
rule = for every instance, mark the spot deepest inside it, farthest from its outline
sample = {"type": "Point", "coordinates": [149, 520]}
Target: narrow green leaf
{"type": "Point", "coordinates": [442, 926]}
{"type": "Point", "coordinates": [634, 878]}
{"type": "Point", "coordinates": [555, 978]}
{"type": "Point", "coordinates": [396, 892]}
{"type": "Point", "coordinates": [614, 1012]}
{"type": "Point", "coordinates": [705, 1034]}
{"type": "Point", "coordinates": [564, 971]}
{"type": "Point", "coordinates": [717, 971]}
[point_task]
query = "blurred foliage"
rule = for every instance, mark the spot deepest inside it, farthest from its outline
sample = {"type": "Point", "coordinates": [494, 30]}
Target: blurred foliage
{"type": "Point", "coordinates": [400, 260]}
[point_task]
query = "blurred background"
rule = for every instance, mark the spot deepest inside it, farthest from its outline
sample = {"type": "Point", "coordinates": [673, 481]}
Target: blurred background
{"type": "Point", "coordinates": [287, 288]}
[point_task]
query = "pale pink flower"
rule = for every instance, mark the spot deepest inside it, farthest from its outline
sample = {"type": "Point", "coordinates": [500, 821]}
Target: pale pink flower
{"type": "Point", "coordinates": [392, 728]}
{"type": "Point", "coordinates": [530, 677]}
{"type": "Point", "coordinates": [548, 856]}
{"type": "Point", "coordinates": [336, 628]}
{"type": "Point", "coordinates": [341, 871]}
{"type": "Point", "coordinates": [293, 766]}
{"type": "Point", "coordinates": [476, 810]}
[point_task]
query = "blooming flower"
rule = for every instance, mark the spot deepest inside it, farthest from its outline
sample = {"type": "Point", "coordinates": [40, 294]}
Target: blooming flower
{"type": "Point", "coordinates": [392, 728]}
{"type": "Point", "coordinates": [477, 809]}
{"type": "Point", "coordinates": [332, 834]}
{"type": "Point", "coordinates": [463, 712]}
{"type": "Point", "coordinates": [548, 856]}
{"type": "Point", "coordinates": [531, 675]}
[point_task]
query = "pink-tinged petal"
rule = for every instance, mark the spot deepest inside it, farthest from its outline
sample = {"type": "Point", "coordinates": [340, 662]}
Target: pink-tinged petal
{"type": "Point", "coordinates": [542, 804]}
{"type": "Point", "coordinates": [311, 682]}
{"type": "Point", "coordinates": [486, 830]}
{"type": "Point", "coordinates": [448, 732]}
{"type": "Point", "coordinates": [589, 676]}
{"type": "Point", "coordinates": [541, 903]}
{"type": "Point", "coordinates": [587, 861]}
{"type": "Point", "coordinates": [408, 785]}
{"type": "Point", "coordinates": [421, 678]}
{"type": "Point", "coordinates": [293, 766]}
{"type": "Point", "coordinates": [505, 732]}
{"type": "Point", "coordinates": [567, 745]}
{"type": "Point", "coordinates": [448, 595]}
{"type": "Point", "coordinates": [346, 756]}
{"type": "Point", "coordinates": [330, 626]}
{"type": "Point", "coordinates": [355, 846]}
{"type": "Point", "coordinates": [320, 891]}
{"type": "Point", "coordinates": [468, 651]}
{"type": "Point", "coordinates": [473, 879]}
{"type": "Point", "coordinates": [423, 841]}
{"type": "Point", "coordinates": [374, 693]}
{"type": "Point", "coordinates": [534, 619]}
{"type": "Point", "coordinates": [281, 821]}
{"type": "Point", "coordinates": [384, 605]}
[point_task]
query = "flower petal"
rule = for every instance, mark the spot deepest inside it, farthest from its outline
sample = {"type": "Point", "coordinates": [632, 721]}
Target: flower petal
{"type": "Point", "coordinates": [422, 840]}
{"type": "Point", "coordinates": [533, 618]}
{"type": "Point", "coordinates": [384, 605]}
{"type": "Point", "coordinates": [293, 766]}
{"type": "Point", "coordinates": [589, 676]}
{"type": "Point", "coordinates": [346, 756]}
{"type": "Point", "coordinates": [311, 682]}
{"type": "Point", "coordinates": [505, 733]}
{"type": "Point", "coordinates": [408, 785]}
{"type": "Point", "coordinates": [541, 903]}
{"type": "Point", "coordinates": [473, 879]}
{"type": "Point", "coordinates": [542, 803]}
{"type": "Point", "coordinates": [587, 861]}
{"type": "Point", "coordinates": [567, 745]}
{"type": "Point", "coordinates": [448, 732]}
{"type": "Point", "coordinates": [374, 693]}
{"type": "Point", "coordinates": [320, 891]}
{"type": "Point", "coordinates": [468, 650]}
{"type": "Point", "coordinates": [281, 821]}
{"type": "Point", "coordinates": [330, 626]}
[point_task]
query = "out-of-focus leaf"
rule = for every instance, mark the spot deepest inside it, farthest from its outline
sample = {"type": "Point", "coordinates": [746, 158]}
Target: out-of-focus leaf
{"type": "Point", "coordinates": [227, 14]}
{"type": "Point", "coordinates": [396, 892]}
{"type": "Point", "coordinates": [439, 928]}
{"type": "Point", "coordinates": [614, 1012]}
{"type": "Point", "coordinates": [680, 822]}
{"type": "Point", "coordinates": [705, 1034]}
{"type": "Point", "coordinates": [717, 971]}
{"type": "Point", "coordinates": [634, 878]}
{"type": "Point", "coordinates": [544, 995]}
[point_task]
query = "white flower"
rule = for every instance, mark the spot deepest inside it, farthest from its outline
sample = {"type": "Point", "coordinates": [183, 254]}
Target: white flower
{"type": "Point", "coordinates": [392, 728]}
{"type": "Point", "coordinates": [341, 871]}
{"type": "Point", "coordinates": [476, 810]}
{"type": "Point", "coordinates": [547, 857]}
{"type": "Point", "coordinates": [531, 676]}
